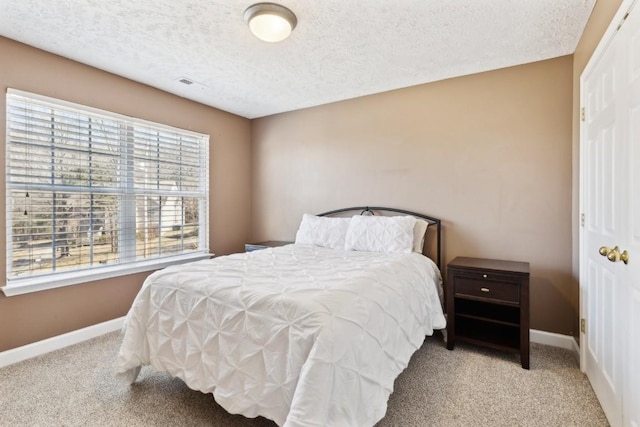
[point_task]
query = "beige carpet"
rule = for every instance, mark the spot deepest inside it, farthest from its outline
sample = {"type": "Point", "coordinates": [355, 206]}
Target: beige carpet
{"type": "Point", "coordinates": [469, 386]}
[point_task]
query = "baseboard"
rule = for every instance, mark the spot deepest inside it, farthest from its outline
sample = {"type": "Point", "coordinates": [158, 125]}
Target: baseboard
{"type": "Point", "coordinates": [28, 351]}
{"type": "Point", "coordinates": [555, 340]}
{"type": "Point", "coordinates": [38, 348]}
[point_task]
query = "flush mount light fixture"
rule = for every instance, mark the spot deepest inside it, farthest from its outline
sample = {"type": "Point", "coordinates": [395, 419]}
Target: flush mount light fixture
{"type": "Point", "coordinates": [270, 22]}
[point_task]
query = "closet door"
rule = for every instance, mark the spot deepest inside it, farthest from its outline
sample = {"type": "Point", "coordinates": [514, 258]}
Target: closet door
{"type": "Point", "coordinates": [629, 46]}
{"type": "Point", "coordinates": [610, 237]}
{"type": "Point", "coordinates": [603, 307]}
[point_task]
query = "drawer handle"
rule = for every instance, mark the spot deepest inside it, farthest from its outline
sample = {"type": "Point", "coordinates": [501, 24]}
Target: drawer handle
{"type": "Point", "coordinates": [484, 275]}
{"type": "Point", "coordinates": [484, 289]}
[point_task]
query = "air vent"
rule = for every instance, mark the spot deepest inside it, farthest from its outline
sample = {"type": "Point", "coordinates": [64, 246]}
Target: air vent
{"type": "Point", "coordinates": [193, 85]}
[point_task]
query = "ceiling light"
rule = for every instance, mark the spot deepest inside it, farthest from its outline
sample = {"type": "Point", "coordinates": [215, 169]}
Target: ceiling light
{"type": "Point", "coordinates": [270, 22]}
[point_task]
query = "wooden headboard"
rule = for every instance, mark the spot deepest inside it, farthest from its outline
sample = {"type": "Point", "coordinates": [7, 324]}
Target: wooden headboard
{"type": "Point", "coordinates": [371, 210]}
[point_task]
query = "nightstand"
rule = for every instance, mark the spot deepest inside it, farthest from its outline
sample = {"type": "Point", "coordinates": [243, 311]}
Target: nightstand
{"type": "Point", "coordinates": [248, 247]}
{"type": "Point", "coordinates": [488, 304]}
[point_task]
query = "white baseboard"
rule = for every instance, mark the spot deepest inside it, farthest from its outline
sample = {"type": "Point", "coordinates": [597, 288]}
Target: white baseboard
{"type": "Point", "coordinates": [555, 340]}
{"type": "Point", "coordinates": [38, 348]}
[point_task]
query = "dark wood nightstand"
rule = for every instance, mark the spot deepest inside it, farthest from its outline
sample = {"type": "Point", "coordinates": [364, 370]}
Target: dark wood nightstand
{"type": "Point", "coordinates": [488, 304]}
{"type": "Point", "coordinates": [248, 247]}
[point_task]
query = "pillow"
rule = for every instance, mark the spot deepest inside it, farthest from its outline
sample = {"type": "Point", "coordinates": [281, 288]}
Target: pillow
{"type": "Point", "coordinates": [419, 231]}
{"type": "Point", "coordinates": [389, 234]}
{"type": "Point", "coordinates": [322, 231]}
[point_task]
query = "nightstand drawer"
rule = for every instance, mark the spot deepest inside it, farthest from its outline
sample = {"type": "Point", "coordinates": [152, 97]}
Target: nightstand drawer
{"type": "Point", "coordinates": [486, 288]}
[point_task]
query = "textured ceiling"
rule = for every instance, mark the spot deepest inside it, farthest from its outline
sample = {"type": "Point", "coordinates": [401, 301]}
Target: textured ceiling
{"type": "Point", "coordinates": [340, 49]}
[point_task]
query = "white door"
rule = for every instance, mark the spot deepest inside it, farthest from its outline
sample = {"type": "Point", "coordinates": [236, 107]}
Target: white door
{"type": "Point", "coordinates": [610, 187]}
{"type": "Point", "coordinates": [601, 149]}
{"type": "Point", "coordinates": [629, 35]}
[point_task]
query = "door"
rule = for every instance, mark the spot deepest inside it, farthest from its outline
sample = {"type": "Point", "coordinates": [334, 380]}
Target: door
{"type": "Point", "coordinates": [610, 237]}
{"type": "Point", "coordinates": [630, 49]}
{"type": "Point", "coordinates": [602, 147]}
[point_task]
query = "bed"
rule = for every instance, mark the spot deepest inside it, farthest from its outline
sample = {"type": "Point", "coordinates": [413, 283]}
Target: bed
{"type": "Point", "coordinates": [308, 334]}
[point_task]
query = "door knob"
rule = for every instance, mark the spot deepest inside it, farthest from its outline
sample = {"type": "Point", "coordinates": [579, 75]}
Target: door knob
{"type": "Point", "coordinates": [604, 251]}
{"type": "Point", "coordinates": [624, 256]}
{"type": "Point", "coordinates": [614, 254]}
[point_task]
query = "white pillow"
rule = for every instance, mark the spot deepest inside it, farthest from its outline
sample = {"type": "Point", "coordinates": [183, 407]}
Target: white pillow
{"type": "Point", "coordinates": [419, 231]}
{"type": "Point", "coordinates": [389, 234]}
{"type": "Point", "coordinates": [322, 231]}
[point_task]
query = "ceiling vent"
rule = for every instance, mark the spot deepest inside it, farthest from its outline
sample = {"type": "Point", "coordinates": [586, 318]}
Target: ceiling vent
{"type": "Point", "coordinates": [192, 84]}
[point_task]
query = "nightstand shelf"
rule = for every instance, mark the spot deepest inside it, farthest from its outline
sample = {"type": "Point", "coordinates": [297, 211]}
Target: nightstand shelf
{"type": "Point", "coordinates": [488, 304]}
{"type": "Point", "coordinates": [491, 313]}
{"type": "Point", "coordinates": [494, 335]}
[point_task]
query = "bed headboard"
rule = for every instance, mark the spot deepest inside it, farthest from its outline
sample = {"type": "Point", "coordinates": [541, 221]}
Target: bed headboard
{"type": "Point", "coordinates": [371, 210]}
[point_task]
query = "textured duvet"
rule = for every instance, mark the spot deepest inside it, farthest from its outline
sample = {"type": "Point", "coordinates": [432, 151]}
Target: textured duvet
{"type": "Point", "coordinates": [302, 335]}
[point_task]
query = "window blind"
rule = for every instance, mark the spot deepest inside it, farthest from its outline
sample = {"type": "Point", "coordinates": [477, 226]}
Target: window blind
{"type": "Point", "coordinates": [87, 188]}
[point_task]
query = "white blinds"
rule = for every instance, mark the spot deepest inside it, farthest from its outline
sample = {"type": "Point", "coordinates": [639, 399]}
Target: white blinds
{"type": "Point", "coordinates": [88, 188]}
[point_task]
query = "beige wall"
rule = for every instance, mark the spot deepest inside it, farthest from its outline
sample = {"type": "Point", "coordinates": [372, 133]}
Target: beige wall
{"type": "Point", "coordinates": [600, 18]}
{"type": "Point", "coordinates": [489, 153]}
{"type": "Point", "coordinates": [28, 318]}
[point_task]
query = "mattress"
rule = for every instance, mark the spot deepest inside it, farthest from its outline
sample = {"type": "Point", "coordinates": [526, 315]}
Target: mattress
{"type": "Point", "coordinates": [302, 335]}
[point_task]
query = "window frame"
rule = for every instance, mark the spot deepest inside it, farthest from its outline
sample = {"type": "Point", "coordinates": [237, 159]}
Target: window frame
{"type": "Point", "coordinates": [128, 264]}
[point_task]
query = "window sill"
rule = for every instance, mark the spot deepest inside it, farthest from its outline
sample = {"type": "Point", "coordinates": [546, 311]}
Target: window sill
{"type": "Point", "coordinates": [42, 283]}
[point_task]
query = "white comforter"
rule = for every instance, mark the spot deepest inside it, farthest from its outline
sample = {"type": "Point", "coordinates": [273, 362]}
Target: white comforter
{"type": "Point", "coordinates": [303, 335]}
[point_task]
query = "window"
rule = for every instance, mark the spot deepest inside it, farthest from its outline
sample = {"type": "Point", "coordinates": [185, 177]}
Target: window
{"type": "Point", "coordinates": [90, 191]}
